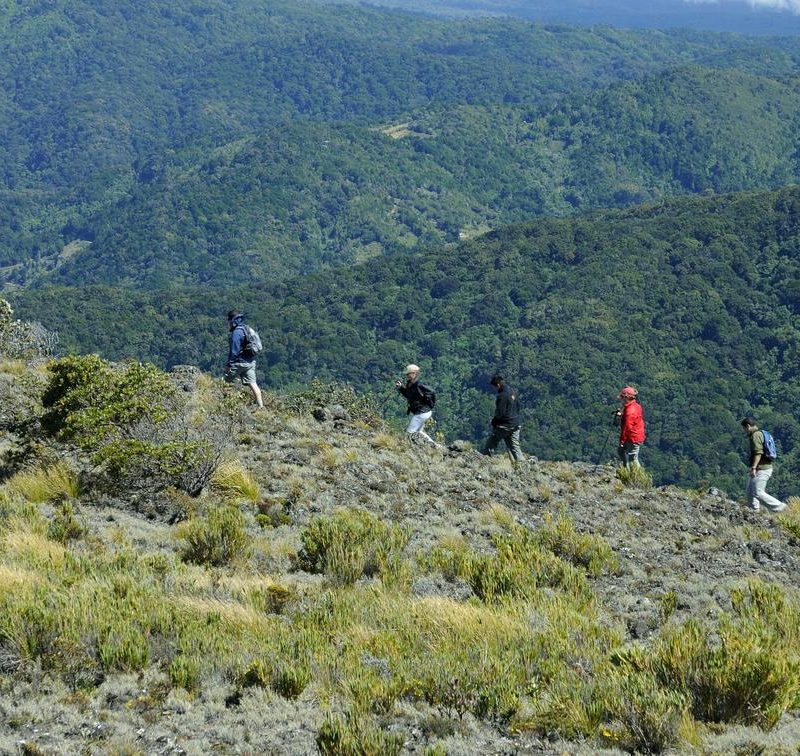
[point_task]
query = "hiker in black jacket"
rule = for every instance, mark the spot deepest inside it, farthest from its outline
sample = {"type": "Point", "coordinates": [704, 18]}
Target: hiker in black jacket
{"type": "Point", "coordinates": [506, 422]}
{"type": "Point", "coordinates": [420, 400]}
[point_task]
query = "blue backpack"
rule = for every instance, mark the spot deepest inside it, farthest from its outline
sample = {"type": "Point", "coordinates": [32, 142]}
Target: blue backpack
{"type": "Point", "coordinates": [769, 445]}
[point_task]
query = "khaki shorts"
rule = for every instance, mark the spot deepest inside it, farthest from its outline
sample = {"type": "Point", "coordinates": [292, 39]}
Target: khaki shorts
{"type": "Point", "coordinates": [244, 372]}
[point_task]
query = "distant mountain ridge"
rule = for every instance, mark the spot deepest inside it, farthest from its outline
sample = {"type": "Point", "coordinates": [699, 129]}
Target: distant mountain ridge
{"type": "Point", "coordinates": [101, 97]}
{"type": "Point", "coordinates": [737, 16]}
{"type": "Point", "coordinates": [305, 195]}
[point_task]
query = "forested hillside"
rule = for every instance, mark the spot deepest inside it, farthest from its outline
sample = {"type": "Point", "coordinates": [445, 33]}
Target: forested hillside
{"type": "Point", "coordinates": [300, 195]}
{"type": "Point", "coordinates": [121, 125]}
{"type": "Point", "coordinates": [694, 301]}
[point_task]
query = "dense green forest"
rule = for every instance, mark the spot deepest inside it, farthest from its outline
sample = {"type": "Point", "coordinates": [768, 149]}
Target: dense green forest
{"type": "Point", "coordinates": [304, 194]}
{"type": "Point", "coordinates": [695, 301]}
{"type": "Point", "coordinates": [130, 134]}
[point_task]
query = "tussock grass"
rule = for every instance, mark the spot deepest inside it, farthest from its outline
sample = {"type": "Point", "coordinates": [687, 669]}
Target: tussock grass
{"type": "Point", "coordinates": [634, 476]}
{"type": "Point", "coordinates": [233, 481]}
{"type": "Point", "coordinates": [33, 549]}
{"type": "Point", "coordinates": [789, 519]}
{"type": "Point", "coordinates": [46, 484]}
{"type": "Point", "coordinates": [386, 442]}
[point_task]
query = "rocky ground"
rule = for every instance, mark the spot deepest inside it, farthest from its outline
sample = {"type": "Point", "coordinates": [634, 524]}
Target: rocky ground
{"type": "Point", "coordinates": [695, 544]}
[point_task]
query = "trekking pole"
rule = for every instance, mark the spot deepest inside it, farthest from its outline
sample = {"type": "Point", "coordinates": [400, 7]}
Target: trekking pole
{"type": "Point", "coordinates": [605, 443]}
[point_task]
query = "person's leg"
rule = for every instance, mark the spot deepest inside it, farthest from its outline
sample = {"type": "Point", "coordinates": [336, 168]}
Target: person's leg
{"type": "Point", "coordinates": [257, 394]}
{"type": "Point", "coordinates": [633, 455]}
{"type": "Point", "coordinates": [760, 486]}
{"type": "Point", "coordinates": [416, 425]}
{"type": "Point", "coordinates": [750, 494]}
{"type": "Point", "coordinates": [513, 445]}
{"type": "Point", "coordinates": [622, 454]}
{"type": "Point", "coordinates": [249, 377]}
{"type": "Point", "coordinates": [491, 443]}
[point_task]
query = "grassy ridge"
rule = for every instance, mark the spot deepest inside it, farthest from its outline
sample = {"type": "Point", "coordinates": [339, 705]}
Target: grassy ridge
{"type": "Point", "coordinates": [427, 613]}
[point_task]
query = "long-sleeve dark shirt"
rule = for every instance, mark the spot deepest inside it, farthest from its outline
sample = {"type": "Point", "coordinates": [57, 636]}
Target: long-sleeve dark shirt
{"type": "Point", "coordinates": [419, 397]}
{"type": "Point", "coordinates": [506, 408]}
{"type": "Point", "coordinates": [236, 344]}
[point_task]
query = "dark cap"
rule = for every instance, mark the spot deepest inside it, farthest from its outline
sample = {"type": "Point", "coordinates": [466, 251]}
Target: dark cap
{"type": "Point", "coordinates": [497, 380]}
{"type": "Point", "coordinates": [233, 314]}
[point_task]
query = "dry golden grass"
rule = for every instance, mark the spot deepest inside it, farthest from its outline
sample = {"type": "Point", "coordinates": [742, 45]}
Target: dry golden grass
{"type": "Point", "coordinates": [46, 484]}
{"type": "Point", "coordinates": [387, 442]}
{"type": "Point", "coordinates": [234, 482]}
{"type": "Point", "coordinates": [236, 615]}
{"type": "Point", "coordinates": [13, 578]}
{"type": "Point", "coordinates": [32, 548]}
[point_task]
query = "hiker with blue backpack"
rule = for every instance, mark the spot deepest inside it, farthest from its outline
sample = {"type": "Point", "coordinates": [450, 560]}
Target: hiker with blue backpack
{"type": "Point", "coordinates": [243, 346]}
{"type": "Point", "coordinates": [763, 453]}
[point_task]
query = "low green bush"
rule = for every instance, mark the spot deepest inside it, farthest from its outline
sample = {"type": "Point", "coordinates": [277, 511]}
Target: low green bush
{"type": "Point", "coordinates": [351, 543]}
{"type": "Point", "coordinates": [582, 549]}
{"type": "Point", "coordinates": [519, 567]}
{"type": "Point", "coordinates": [65, 525]}
{"type": "Point", "coordinates": [216, 539]}
{"type": "Point", "coordinates": [356, 734]}
{"type": "Point", "coordinates": [645, 718]}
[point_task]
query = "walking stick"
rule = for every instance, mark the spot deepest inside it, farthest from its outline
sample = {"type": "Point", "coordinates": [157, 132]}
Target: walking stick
{"type": "Point", "coordinates": [605, 443]}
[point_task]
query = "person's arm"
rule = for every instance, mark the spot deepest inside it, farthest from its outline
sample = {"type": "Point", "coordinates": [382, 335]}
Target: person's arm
{"type": "Point", "coordinates": [237, 340]}
{"type": "Point", "coordinates": [624, 426]}
{"type": "Point", "coordinates": [757, 452]}
{"type": "Point", "coordinates": [500, 408]}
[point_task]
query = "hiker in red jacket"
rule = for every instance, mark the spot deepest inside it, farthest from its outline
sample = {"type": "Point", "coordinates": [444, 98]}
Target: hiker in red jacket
{"type": "Point", "coordinates": [631, 431]}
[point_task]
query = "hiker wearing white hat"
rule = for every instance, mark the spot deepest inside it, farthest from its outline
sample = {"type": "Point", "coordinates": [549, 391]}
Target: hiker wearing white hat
{"type": "Point", "coordinates": [421, 401]}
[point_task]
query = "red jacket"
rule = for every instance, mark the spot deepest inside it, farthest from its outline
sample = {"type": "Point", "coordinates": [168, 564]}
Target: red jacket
{"type": "Point", "coordinates": [632, 424]}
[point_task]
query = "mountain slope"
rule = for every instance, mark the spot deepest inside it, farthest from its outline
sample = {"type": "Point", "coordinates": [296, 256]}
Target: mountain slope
{"type": "Point", "coordinates": [438, 599]}
{"type": "Point", "coordinates": [694, 301]}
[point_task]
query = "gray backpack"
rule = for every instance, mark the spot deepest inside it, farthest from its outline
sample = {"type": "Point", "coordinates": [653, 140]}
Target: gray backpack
{"type": "Point", "coordinates": [252, 341]}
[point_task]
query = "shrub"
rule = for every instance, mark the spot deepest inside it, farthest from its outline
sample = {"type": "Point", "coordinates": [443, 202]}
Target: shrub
{"type": "Point", "coordinates": [519, 567]}
{"type": "Point", "coordinates": [634, 476]}
{"type": "Point", "coordinates": [216, 539]}
{"type": "Point", "coordinates": [645, 717]}
{"type": "Point", "coordinates": [136, 425]}
{"type": "Point", "coordinates": [184, 672]}
{"type": "Point", "coordinates": [747, 670]}
{"type": "Point", "coordinates": [351, 543]}
{"type": "Point", "coordinates": [355, 734]}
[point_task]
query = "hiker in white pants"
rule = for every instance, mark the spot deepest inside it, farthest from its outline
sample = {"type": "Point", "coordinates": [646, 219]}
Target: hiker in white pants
{"type": "Point", "coordinates": [420, 400]}
{"type": "Point", "coordinates": [760, 470]}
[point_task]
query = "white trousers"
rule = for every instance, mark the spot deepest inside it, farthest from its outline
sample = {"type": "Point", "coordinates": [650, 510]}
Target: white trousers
{"type": "Point", "coordinates": [416, 425]}
{"type": "Point", "coordinates": [757, 492]}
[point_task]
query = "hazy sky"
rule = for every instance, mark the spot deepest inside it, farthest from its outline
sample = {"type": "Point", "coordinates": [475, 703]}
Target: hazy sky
{"type": "Point", "coordinates": [787, 5]}
{"type": "Point", "coordinates": [776, 17]}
